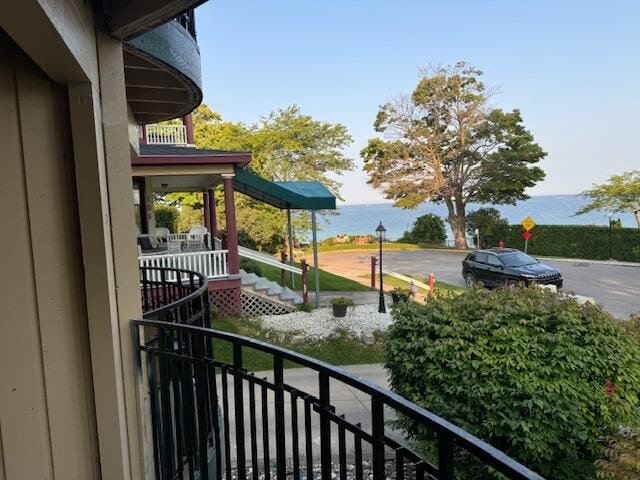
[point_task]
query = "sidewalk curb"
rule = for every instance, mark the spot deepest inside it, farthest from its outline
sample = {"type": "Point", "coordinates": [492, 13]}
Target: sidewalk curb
{"type": "Point", "coordinates": [613, 263]}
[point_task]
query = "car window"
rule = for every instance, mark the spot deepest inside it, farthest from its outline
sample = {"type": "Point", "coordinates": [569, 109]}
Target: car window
{"type": "Point", "coordinates": [518, 259]}
{"type": "Point", "coordinates": [480, 258]}
{"type": "Point", "coordinates": [494, 261]}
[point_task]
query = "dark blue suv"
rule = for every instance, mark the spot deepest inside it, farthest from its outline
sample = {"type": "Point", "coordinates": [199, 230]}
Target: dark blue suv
{"type": "Point", "coordinates": [507, 267]}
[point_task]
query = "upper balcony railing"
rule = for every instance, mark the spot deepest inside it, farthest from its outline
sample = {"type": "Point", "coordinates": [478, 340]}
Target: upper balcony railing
{"type": "Point", "coordinates": [188, 21]}
{"type": "Point", "coordinates": [213, 418]}
{"type": "Point", "coordinates": [166, 134]}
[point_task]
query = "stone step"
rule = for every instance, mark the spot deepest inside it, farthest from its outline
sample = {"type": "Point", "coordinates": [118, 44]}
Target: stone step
{"type": "Point", "coordinates": [274, 289]}
{"type": "Point", "coordinates": [269, 289]}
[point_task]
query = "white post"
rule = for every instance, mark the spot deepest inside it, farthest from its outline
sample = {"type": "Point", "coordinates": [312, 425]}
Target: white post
{"type": "Point", "coordinates": [290, 231]}
{"type": "Point", "coordinates": [315, 257]}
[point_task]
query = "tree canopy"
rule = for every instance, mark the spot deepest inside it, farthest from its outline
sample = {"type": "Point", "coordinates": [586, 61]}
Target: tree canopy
{"type": "Point", "coordinates": [443, 143]}
{"type": "Point", "coordinates": [285, 145]}
{"type": "Point", "coordinates": [620, 194]}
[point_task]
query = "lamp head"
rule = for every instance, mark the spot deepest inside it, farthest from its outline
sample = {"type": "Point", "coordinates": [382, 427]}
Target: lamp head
{"type": "Point", "coordinates": [380, 232]}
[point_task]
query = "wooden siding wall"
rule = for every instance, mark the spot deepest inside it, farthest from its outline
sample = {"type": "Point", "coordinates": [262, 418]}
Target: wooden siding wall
{"type": "Point", "coordinates": [47, 417]}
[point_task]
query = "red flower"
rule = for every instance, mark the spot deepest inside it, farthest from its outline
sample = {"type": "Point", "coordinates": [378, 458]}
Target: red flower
{"type": "Point", "coordinates": [610, 389]}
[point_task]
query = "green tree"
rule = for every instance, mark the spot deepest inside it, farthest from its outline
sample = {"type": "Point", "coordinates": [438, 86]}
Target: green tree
{"type": "Point", "coordinates": [620, 194]}
{"type": "Point", "coordinates": [285, 145]}
{"type": "Point", "coordinates": [166, 216]}
{"type": "Point", "coordinates": [445, 144]}
{"type": "Point", "coordinates": [490, 224]}
{"type": "Point", "coordinates": [428, 229]}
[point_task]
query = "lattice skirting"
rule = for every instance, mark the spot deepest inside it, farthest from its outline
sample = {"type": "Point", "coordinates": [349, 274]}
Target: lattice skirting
{"type": "Point", "coordinates": [226, 301]}
{"type": "Point", "coordinates": [257, 305]}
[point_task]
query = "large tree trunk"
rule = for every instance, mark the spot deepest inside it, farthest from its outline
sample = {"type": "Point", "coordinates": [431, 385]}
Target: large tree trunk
{"type": "Point", "coordinates": [456, 220]}
{"type": "Point", "coordinates": [637, 213]}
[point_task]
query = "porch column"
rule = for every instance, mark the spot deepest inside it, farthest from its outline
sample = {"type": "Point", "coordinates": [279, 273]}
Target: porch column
{"type": "Point", "coordinates": [205, 201]}
{"type": "Point", "coordinates": [230, 216]}
{"type": "Point", "coordinates": [187, 121]}
{"type": "Point", "coordinates": [213, 221]}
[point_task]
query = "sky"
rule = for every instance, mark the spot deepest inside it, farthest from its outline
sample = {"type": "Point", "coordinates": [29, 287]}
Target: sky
{"type": "Point", "coordinates": [572, 68]}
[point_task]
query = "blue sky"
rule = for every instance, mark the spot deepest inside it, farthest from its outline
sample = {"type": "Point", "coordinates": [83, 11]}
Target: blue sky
{"type": "Point", "coordinates": [572, 68]}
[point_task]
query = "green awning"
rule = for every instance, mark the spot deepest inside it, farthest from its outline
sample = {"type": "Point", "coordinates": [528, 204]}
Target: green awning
{"type": "Point", "coordinates": [297, 195]}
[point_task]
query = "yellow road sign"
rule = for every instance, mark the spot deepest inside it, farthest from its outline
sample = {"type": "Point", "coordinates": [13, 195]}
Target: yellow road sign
{"type": "Point", "coordinates": [528, 223]}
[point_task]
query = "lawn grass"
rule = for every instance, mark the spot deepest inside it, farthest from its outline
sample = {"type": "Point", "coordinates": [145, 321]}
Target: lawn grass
{"type": "Point", "coordinates": [340, 350]}
{"type": "Point", "coordinates": [328, 281]}
{"type": "Point", "coordinates": [369, 246]}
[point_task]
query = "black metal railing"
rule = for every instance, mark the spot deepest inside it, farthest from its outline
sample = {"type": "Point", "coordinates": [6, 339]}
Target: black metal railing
{"type": "Point", "coordinates": [174, 295]}
{"type": "Point", "coordinates": [188, 20]}
{"type": "Point", "coordinates": [213, 418]}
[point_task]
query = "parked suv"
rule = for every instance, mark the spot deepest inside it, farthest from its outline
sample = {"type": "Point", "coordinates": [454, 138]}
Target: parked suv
{"type": "Point", "coordinates": [498, 267]}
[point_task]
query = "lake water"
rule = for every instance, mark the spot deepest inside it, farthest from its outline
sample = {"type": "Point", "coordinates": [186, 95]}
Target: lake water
{"type": "Point", "coordinates": [545, 210]}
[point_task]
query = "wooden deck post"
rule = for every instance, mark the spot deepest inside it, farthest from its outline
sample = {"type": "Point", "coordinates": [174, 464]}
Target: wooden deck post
{"type": "Point", "coordinates": [232, 233]}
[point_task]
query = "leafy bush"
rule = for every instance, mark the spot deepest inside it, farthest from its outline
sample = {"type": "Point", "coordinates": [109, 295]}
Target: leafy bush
{"type": "Point", "coordinates": [428, 229]}
{"type": "Point", "coordinates": [578, 241]}
{"type": "Point", "coordinates": [535, 375]}
{"type": "Point", "coordinates": [342, 301]}
{"type": "Point", "coordinates": [492, 227]}
{"type": "Point", "coordinates": [622, 457]}
{"type": "Point", "coordinates": [166, 216]}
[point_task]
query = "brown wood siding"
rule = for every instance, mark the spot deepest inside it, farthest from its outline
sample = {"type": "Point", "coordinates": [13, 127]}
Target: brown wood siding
{"type": "Point", "coordinates": [47, 413]}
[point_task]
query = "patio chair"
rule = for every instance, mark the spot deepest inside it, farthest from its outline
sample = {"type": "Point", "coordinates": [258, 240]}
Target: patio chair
{"type": "Point", "coordinates": [196, 238]}
{"type": "Point", "coordinates": [162, 234]}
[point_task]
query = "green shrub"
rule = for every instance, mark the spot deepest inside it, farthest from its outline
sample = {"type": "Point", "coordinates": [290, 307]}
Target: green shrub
{"type": "Point", "coordinates": [492, 227]}
{"type": "Point", "coordinates": [342, 301]}
{"type": "Point", "coordinates": [535, 375]}
{"type": "Point", "coordinates": [428, 229]}
{"type": "Point", "coordinates": [578, 241]}
{"type": "Point", "coordinates": [621, 457]}
{"type": "Point", "coordinates": [166, 216]}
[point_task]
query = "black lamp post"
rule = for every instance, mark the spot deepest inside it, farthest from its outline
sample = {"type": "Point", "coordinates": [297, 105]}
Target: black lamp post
{"type": "Point", "coordinates": [610, 215]}
{"type": "Point", "coordinates": [380, 231]}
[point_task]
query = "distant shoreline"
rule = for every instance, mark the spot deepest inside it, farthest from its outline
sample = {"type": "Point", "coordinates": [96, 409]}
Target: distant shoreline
{"type": "Point", "coordinates": [391, 203]}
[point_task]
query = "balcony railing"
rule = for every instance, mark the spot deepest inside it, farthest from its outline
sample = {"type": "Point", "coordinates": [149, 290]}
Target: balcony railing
{"type": "Point", "coordinates": [174, 295]}
{"type": "Point", "coordinates": [166, 134]}
{"type": "Point", "coordinates": [188, 21]}
{"type": "Point", "coordinates": [210, 263]}
{"type": "Point", "coordinates": [212, 418]}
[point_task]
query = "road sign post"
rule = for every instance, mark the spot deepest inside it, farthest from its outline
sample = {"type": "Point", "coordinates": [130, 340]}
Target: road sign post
{"type": "Point", "coordinates": [527, 224]}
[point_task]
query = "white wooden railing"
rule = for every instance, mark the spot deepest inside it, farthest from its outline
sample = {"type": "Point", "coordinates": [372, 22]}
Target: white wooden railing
{"type": "Point", "coordinates": [212, 264]}
{"type": "Point", "coordinates": [166, 134]}
{"type": "Point", "coordinates": [267, 259]}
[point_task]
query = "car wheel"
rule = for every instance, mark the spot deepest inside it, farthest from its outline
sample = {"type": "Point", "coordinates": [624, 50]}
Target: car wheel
{"type": "Point", "coordinates": [469, 279]}
{"type": "Point", "coordinates": [513, 283]}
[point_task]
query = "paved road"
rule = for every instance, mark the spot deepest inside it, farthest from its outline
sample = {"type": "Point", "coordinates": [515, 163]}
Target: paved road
{"type": "Point", "coordinates": [617, 288]}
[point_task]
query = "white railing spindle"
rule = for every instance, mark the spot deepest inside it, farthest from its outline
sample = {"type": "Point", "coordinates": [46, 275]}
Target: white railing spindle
{"type": "Point", "coordinates": [212, 264]}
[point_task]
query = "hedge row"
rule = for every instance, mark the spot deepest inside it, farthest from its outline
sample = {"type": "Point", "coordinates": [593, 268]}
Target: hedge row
{"type": "Point", "coordinates": [578, 241]}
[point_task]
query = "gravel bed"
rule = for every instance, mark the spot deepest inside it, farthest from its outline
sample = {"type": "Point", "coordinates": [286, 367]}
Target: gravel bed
{"type": "Point", "coordinates": [367, 473]}
{"type": "Point", "coordinates": [361, 321]}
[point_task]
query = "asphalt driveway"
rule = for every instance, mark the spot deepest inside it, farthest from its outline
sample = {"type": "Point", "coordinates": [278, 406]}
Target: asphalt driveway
{"type": "Point", "coordinates": [616, 287]}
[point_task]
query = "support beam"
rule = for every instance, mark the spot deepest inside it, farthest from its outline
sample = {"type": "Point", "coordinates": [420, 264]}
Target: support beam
{"type": "Point", "coordinates": [290, 232]}
{"type": "Point", "coordinates": [316, 266]}
{"type": "Point", "coordinates": [187, 121]}
{"type": "Point", "coordinates": [207, 218]}
{"type": "Point", "coordinates": [232, 233]}
{"type": "Point", "coordinates": [213, 220]}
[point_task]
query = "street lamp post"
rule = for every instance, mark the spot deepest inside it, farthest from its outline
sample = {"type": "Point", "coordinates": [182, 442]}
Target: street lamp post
{"type": "Point", "coordinates": [610, 215]}
{"type": "Point", "coordinates": [380, 231]}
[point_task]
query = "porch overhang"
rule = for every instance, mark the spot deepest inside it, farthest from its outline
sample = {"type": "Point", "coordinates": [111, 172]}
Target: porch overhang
{"type": "Point", "coordinates": [295, 195]}
{"type": "Point", "coordinates": [185, 169]}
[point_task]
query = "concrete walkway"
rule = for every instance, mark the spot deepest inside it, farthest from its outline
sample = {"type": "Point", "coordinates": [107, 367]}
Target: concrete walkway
{"type": "Point", "coordinates": [348, 401]}
{"type": "Point", "coordinates": [359, 298]}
